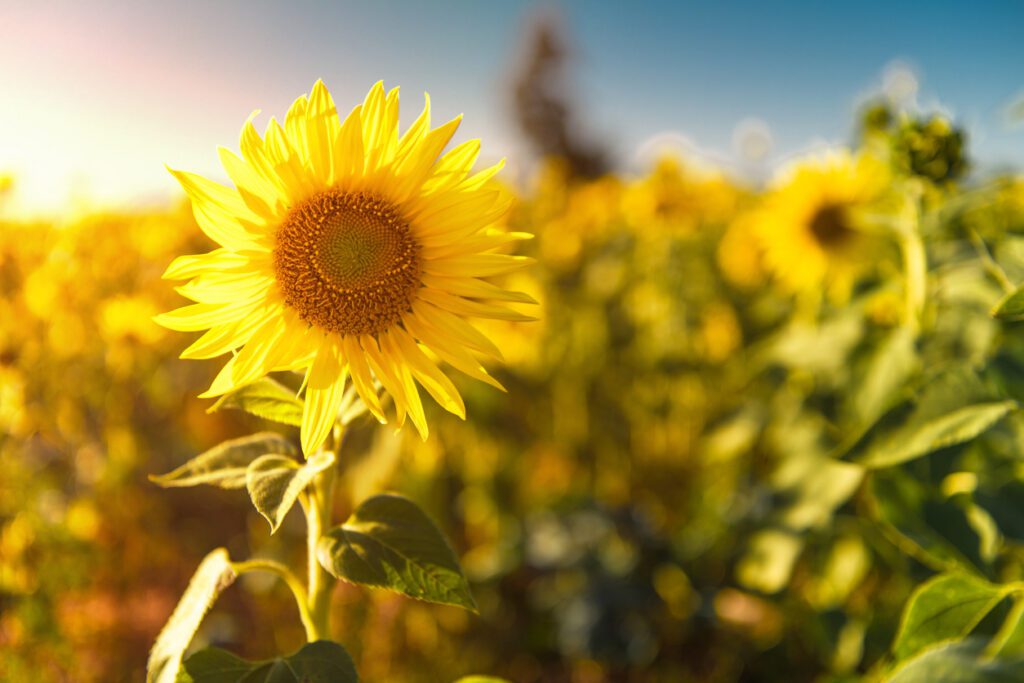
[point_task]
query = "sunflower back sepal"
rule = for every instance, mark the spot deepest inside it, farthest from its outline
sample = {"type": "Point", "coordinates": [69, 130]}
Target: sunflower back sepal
{"type": "Point", "coordinates": [274, 483]}
{"type": "Point", "coordinates": [225, 465]}
{"type": "Point", "coordinates": [265, 398]}
{"type": "Point", "coordinates": [321, 660]}
{"type": "Point", "coordinates": [389, 542]}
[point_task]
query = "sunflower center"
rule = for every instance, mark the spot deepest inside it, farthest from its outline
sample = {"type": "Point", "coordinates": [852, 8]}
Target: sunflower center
{"type": "Point", "coordinates": [830, 226]}
{"type": "Point", "coordinates": [347, 263]}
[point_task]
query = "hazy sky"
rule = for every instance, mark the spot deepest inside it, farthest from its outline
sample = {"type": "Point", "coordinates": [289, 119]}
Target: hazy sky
{"type": "Point", "coordinates": [96, 96]}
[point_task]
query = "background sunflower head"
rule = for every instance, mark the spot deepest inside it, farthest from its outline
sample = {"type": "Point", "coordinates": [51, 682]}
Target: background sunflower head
{"type": "Point", "coordinates": [813, 227]}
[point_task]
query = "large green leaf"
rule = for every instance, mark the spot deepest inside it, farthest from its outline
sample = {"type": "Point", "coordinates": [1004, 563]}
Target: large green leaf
{"type": "Point", "coordinates": [953, 408]}
{"type": "Point", "coordinates": [919, 438]}
{"type": "Point", "coordinates": [389, 542]}
{"type": "Point", "coordinates": [275, 482]}
{"type": "Point", "coordinates": [960, 662]}
{"type": "Point", "coordinates": [224, 465]}
{"type": "Point", "coordinates": [213, 576]}
{"type": "Point", "coordinates": [947, 607]}
{"type": "Point", "coordinates": [322, 661]}
{"type": "Point", "coordinates": [266, 398]}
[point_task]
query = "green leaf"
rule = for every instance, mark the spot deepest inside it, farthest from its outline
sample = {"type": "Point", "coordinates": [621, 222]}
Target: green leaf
{"type": "Point", "coordinates": [953, 408]}
{"type": "Point", "coordinates": [921, 437]}
{"type": "Point", "coordinates": [936, 529]}
{"type": "Point", "coordinates": [275, 482]}
{"type": "Point", "coordinates": [960, 662]}
{"type": "Point", "coordinates": [322, 661]}
{"type": "Point", "coordinates": [389, 542]}
{"type": "Point", "coordinates": [947, 607]}
{"type": "Point", "coordinates": [213, 576]}
{"type": "Point", "coordinates": [1011, 307]}
{"type": "Point", "coordinates": [266, 398]}
{"type": "Point", "coordinates": [214, 665]}
{"type": "Point", "coordinates": [224, 465]}
{"type": "Point", "coordinates": [894, 362]}
{"type": "Point", "coordinates": [1009, 640]}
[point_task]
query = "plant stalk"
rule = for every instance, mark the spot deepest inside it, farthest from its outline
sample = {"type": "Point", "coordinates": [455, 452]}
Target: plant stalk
{"type": "Point", "coordinates": [321, 583]}
{"type": "Point", "coordinates": [915, 262]}
{"type": "Point", "coordinates": [291, 580]}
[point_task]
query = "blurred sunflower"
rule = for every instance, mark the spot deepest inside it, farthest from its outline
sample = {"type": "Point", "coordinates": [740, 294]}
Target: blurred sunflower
{"type": "Point", "coordinates": [812, 226]}
{"type": "Point", "coordinates": [348, 251]}
{"type": "Point", "coordinates": [675, 200]}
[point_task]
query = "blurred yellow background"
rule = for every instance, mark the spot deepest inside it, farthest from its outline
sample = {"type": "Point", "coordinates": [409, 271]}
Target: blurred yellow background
{"type": "Point", "coordinates": [651, 500]}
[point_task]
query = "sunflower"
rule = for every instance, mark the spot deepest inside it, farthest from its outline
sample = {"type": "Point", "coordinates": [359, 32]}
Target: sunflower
{"type": "Point", "coordinates": [811, 226]}
{"type": "Point", "coordinates": [348, 252]}
{"type": "Point", "coordinates": [676, 200]}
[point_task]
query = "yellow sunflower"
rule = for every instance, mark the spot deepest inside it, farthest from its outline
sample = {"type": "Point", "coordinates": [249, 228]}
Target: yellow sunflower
{"type": "Point", "coordinates": [676, 200]}
{"type": "Point", "coordinates": [348, 252]}
{"type": "Point", "coordinates": [812, 225]}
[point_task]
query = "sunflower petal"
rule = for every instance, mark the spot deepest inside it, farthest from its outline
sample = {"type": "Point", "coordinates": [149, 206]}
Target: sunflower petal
{"type": "Point", "coordinates": [325, 387]}
{"type": "Point", "coordinates": [466, 307]}
{"type": "Point", "coordinates": [203, 316]}
{"type": "Point", "coordinates": [453, 354]}
{"type": "Point", "coordinates": [321, 130]}
{"type": "Point", "coordinates": [362, 378]}
{"type": "Point", "coordinates": [186, 267]}
{"type": "Point", "coordinates": [413, 404]}
{"type": "Point", "coordinates": [426, 373]}
{"type": "Point", "coordinates": [452, 168]}
{"type": "Point", "coordinates": [220, 212]}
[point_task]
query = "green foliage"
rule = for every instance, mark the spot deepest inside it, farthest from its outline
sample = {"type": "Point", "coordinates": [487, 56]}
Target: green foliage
{"type": "Point", "coordinates": [1011, 306]}
{"type": "Point", "coordinates": [275, 482]}
{"type": "Point", "coordinates": [225, 465]}
{"type": "Point", "coordinates": [213, 576]}
{"type": "Point", "coordinates": [945, 608]}
{"type": "Point", "coordinates": [321, 661]}
{"type": "Point", "coordinates": [266, 398]}
{"type": "Point", "coordinates": [893, 364]}
{"type": "Point", "coordinates": [961, 662]}
{"type": "Point", "coordinates": [935, 529]}
{"type": "Point", "coordinates": [389, 542]}
{"type": "Point", "coordinates": [952, 409]}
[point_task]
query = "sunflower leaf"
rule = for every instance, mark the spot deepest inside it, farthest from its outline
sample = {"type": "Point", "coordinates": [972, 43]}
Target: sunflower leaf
{"type": "Point", "coordinates": [389, 542]}
{"type": "Point", "coordinates": [953, 408]}
{"type": "Point", "coordinates": [225, 464]}
{"type": "Point", "coordinates": [275, 481]}
{"type": "Point", "coordinates": [322, 661]}
{"type": "Point", "coordinates": [947, 607]}
{"type": "Point", "coordinates": [266, 398]}
{"type": "Point", "coordinates": [957, 662]}
{"type": "Point", "coordinates": [213, 576]}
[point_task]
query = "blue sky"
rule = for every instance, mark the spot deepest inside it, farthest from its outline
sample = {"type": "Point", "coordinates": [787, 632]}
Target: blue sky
{"type": "Point", "coordinates": [99, 95]}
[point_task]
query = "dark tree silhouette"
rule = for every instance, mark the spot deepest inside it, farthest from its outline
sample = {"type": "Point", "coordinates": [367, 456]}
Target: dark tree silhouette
{"type": "Point", "coordinates": [543, 111]}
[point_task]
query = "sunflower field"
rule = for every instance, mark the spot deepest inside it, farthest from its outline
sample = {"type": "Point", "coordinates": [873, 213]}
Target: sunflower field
{"type": "Point", "coordinates": [376, 412]}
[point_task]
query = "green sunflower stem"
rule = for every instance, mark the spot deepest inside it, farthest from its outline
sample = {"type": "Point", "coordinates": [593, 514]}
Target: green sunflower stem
{"type": "Point", "coordinates": [291, 580]}
{"type": "Point", "coordinates": [318, 520]}
{"type": "Point", "coordinates": [915, 261]}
